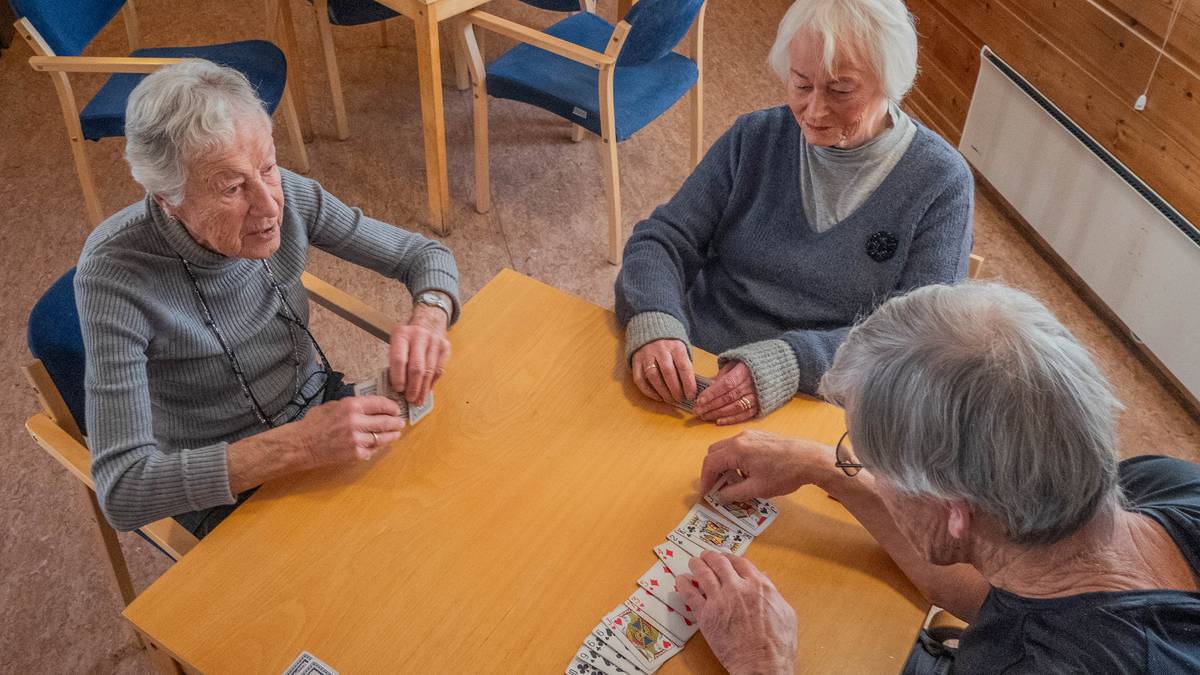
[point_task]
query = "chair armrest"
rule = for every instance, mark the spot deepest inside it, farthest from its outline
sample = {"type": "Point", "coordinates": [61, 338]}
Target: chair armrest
{"type": "Point", "coordinates": [98, 64]}
{"type": "Point", "coordinates": [61, 446]}
{"type": "Point", "coordinates": [348, 307]}
{"type": "Point", "coordinates": [537, 38]}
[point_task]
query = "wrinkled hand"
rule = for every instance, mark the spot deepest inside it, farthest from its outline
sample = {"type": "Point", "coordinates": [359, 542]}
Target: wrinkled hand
{"type": "Point", "coordinates": [663, 371]}
{"type": "Point", "coordinates": [744, 619]}
{"type": "Point", "coordinates": [418, 353]}
{"type": "Point", "coordinates": [771, 465]}
{"type": "Point", "coordinates": [730, 398]}
{"type": "Point", "coordinates": [339, 432]}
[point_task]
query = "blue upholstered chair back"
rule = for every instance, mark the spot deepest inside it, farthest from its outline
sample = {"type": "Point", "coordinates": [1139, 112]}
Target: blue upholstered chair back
{"type": "Point", "coordinates": [358, 12]}
{"type": "Point", "coordinates": [55, 340]}
{"type": "Point", "coordinates": [68, 25]}
{"type": "Point", "coordinates": [555, 5]}
{"type": "Point", "coordinates": [657, 26]}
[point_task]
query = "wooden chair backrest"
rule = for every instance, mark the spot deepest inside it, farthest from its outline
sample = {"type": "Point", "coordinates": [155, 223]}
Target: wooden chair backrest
{"type": "Point", "coordinates": [975, 266]}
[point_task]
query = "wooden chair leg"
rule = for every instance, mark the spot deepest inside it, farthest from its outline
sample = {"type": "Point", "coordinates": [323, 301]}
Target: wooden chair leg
{"type": "Point", "coordinates": [383, 32]}
{"type": "Point", "coordinates": [479, 113]}
{"type": "Point", "coordinates": [292, 119]}
{"type": "Point", "coordinates": [132, 31]}
{"type": "Point", "coordinates": [612, 176]}
{"type": "Point", "coordinates": [91, 200]}
{"type": "Point", "coordinates": [578, 133]}
{"type": "Point", "coordinates": [280, 16]}
{"type": "Point", "coordinates": [112, 547]}
{"type": "Point", "coordinates": [462, 73]}
{"type": "Point", "coordinates": [697, 92]}
{"type": "Point", "coordinates": [321, 10]}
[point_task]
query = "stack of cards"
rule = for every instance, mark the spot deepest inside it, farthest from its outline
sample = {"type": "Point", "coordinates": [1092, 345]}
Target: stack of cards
{"type": "Point", "coordinates": [654, 623]}
{"type": "Point", "coordinates": [382, 386]}
{"type": "Point", "coordinates": [702, 383]}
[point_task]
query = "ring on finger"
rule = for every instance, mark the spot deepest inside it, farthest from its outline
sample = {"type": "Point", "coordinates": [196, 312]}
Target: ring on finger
{"type": "Point", "coordinates": [374, 438]}
{"type": "Point", "coordinates": [744, 403]}
{"type": "Point", "coordinates": [653, 366]}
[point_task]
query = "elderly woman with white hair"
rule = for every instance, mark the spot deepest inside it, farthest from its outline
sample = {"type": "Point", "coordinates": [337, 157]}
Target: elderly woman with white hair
{"type": "Point", "coordinates": [800, 219]}
{"type": "Point", "coordinates": [984, 461]}
{"type": "Point", "coordinates": [202, 377]}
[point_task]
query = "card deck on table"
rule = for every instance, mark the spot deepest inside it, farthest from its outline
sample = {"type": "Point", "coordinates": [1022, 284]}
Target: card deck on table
{"type": "Point", "coordinates": [381, 385]}
{"type": "Point", "coordinates": [645, 642]}
{"type": "Point", "coordinates": [307, 664]}
{"type": "Point", "coordinates": [702, 383]}
{"type": "Point", "coordinates": [702, 529]}
{"type": "Point", "coordinates": [675, 557]}
{"type": "Point", "coordinates": [598, 640]}
{"type": "Point", "coordinates": [753, 516]}
{"type": "Point", "coordinates": [660, 582]}
{"type": "Point", "coordinates": [598, 661]}
{"type": "Point", "coordinates": [660, 613]}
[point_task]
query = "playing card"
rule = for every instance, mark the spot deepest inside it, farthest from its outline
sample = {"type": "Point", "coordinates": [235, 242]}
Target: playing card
{"type": "Point", "coordinates": [674, 557]}
{"type": "Point", "coordinates": [702, 383]}
{"type": "Point", "coordinates": [648, 645]}
{"type": "Point", "coordinates": [307, 664]}
{"type": "Point", "coordinates": [599, 660]}
{"type": "Point", "coordinates": [753, 516]}
{"type": "Point", "coordinates": [703, 528]}
{"type": "Point", "coordinates": [416, 412]}
{"type": "Point", "coordinates": [609, 637]}
{"type": "Point", "coordinates": [578, 667]}
{"type": "Point", "coordinates": [659, 613]}
{"type": "Point", "coordinates": [381, 385]}
{"type": "Point", "coordinates": [613, 654]}
{"type": "Point", "coordinates": [660, 582]}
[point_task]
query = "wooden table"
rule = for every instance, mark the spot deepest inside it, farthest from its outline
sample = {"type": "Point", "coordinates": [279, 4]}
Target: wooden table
{"type": "Point", "coordinates": [497, 533]}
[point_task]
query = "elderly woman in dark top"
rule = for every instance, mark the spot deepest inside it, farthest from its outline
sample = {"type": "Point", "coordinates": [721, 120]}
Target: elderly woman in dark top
{"type": "Point", "coordinates": [202, 378]}
{"type": "Point", "coordinates": [800, 219]}
{"type": "Point", "coordinates": [984, 461]}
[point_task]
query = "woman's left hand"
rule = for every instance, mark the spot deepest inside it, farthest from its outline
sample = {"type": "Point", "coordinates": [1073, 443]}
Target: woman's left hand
{"type": "Point", "coordinates": [730, 398]}
{"type": "Point", "coordinates": [418, 353]}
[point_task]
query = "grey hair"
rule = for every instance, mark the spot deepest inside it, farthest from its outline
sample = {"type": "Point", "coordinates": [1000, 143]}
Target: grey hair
{"type": "Point", "coordinates": [977, 392]}
{"type": "Point", "coordinates": [880, 30]}
{"type": "Point", "coordinates": [177, 114]}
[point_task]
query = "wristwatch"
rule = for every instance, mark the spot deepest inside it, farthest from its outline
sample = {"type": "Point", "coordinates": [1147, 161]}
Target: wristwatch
{"type": "Point", "coordinates": [435, 300]}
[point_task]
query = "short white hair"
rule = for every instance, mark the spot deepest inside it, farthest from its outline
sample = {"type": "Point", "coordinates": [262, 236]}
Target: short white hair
{"type": "Point", "coordinates": [882, 31]}
{"type": "Point", "coordinates": [977, 392]}
{"type": "Point", "coordinates": [179, 113]}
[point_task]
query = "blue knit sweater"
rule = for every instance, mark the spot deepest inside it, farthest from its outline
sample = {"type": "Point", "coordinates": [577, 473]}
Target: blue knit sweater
{"type": "Point", "coordinates": [731, 265]}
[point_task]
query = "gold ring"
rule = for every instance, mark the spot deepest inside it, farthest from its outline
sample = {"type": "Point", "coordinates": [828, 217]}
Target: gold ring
{"type": "Point", "coordinates": [652, 366]}
{"type": "Point", "coordinates": [745, 403]}
{"type": "Point", "coordinates": [375, 438]}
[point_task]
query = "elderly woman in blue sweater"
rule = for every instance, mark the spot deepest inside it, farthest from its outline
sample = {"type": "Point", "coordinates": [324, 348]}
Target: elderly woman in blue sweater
{"type": "Point", "coordinates": [800, 219]}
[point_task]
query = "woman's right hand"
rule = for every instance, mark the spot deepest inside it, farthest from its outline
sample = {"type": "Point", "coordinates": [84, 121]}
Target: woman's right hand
{"type": "Point", "coordinates": [663, 371]}
{"type": "Point", "coordinates": [771, 465]}
{"type": "Point", "coordinates": [340, 432]}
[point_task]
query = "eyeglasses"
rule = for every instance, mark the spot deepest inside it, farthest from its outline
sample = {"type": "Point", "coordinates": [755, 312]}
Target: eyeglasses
{"type": "Point", "coordinates": [846, 451]}
{"type": "Point", "coordinates": [329, 378]}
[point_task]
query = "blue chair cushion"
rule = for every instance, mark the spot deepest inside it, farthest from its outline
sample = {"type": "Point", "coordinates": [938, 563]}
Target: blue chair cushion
{"type": "Point", "coordinates": [358, 12]}
{"type": "Point", "coordinates": [68, 25]}
{"type": "Point", "coordinates": [656, 27]}
{"type": "Point", "coordinates": [55, 339]}
{"type": "Point", "coordinates": [568, 89]}
{"type": "Point", "coordinates": [555, 5]}
{"type": "Point", "coordinates": [260, 61]}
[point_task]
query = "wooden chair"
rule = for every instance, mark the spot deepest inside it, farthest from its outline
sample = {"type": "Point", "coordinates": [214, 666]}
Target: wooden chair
{"type": "Point", "coordinates": [59, 30]}
{"type": "Point", "coordinates": [609, 80]}
{"type": "Point", "coordinates": [975, 266]}
{"type": "Point", "coordinates": [57, 375]}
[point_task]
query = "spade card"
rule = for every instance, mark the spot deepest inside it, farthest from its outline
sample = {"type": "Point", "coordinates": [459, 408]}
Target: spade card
{"type": "Point", "coordinates": [660, 582]}
{"type": "Point", "coordinates": [703, 528]}
{"type": "Point", "coordinates": [702, 383]}
{"type": "Point", "coordinates": [307, 664]}
{"type": "Point", "coordinates": [648, 645]}
{"type": "Point", "coordinates": [595, 642]}
{"type": "Point", "coordinates": [609, 637]}
{"type": "Point", "coordinates": [753, 515]}
{"type": "Point", "coordinates": [596, 660]}
{"type": "Point", "coordinates": [668, 620]}
{"type": "Point", "coordinates": [674, 557]}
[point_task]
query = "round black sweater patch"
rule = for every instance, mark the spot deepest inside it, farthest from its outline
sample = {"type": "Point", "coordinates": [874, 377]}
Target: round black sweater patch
{"type": "Point", "coordinates": [882, 246]}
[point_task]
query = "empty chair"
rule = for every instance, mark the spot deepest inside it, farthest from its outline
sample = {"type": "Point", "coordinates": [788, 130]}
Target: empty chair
{"type": "Point", "coordinates": [344, 13]}
{"type": "Point", "coordinates": [609, 80]}
{"type": "Point", "coordinates": [59, 30]}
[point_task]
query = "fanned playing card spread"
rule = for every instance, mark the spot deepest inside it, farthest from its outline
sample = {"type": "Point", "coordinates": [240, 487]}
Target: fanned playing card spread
{"type": "Point", "coordinates": [654, 623]}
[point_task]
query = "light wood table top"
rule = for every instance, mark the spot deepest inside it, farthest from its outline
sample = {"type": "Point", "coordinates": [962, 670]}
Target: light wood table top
{"type": "Point", "coordinates": [498, 532]}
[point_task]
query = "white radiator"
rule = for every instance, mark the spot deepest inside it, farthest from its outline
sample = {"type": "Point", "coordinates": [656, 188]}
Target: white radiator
{"type": "Point", "coordinates": [1135, 251]}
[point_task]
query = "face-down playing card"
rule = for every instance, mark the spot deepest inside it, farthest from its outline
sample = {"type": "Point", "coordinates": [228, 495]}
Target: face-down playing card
{"type": "Point", "coordinates": [753, 515]}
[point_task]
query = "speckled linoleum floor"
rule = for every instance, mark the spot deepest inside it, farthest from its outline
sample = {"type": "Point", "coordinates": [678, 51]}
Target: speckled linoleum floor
{"type": "Point", "coordinates": [60, 611]}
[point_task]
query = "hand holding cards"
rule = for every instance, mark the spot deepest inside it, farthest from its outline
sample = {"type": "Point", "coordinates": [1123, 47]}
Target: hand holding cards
{"type": "Point", "coordinates": [655, 622]}
{"type": "Point", "coordinates": [381, 385]}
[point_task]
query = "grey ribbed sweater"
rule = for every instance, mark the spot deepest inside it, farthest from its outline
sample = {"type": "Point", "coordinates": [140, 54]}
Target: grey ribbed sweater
{"type": "Point", "coordinates": [162, 402]}
{"type": "Point", "coordinates": [732, 264]}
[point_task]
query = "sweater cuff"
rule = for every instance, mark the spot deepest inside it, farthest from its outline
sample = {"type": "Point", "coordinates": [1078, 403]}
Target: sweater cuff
{"type": "Point", "coordinates": [774, 369]}
{"type": "Point", "coordinates": [647, 327]}
{"type": "Point", "coordinates": [206, 476]}
{"type": "Point", "coordinates": [437, 272]}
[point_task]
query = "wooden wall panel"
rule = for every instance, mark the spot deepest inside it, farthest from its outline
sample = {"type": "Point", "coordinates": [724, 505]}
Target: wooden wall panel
{"type": "Point", "coordinates": [1092, 58]}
